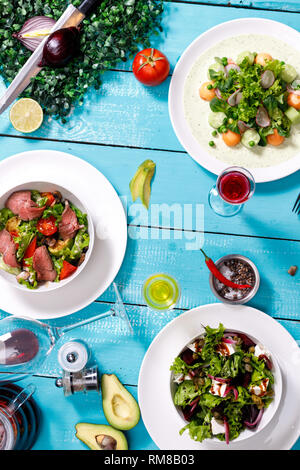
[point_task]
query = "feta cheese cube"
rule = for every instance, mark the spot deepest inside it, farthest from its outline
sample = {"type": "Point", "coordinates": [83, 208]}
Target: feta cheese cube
{"type": "Point", "coordinates": [226, 349]}
{"type": "Point", "coordinates": [260, 351]}
{"type": "Point", "coordinates": [217, 427]}
{"type": "Point", "coordinates": [192, 346]}
{"type": "Point", "coordinates": [178, 378]}
{"type": "Point", "coordinates": [259, 389]}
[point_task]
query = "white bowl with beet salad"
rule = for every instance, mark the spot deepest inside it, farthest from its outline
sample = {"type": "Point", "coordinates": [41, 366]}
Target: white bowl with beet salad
{"type": "Point", "coordinates": [46, 236]}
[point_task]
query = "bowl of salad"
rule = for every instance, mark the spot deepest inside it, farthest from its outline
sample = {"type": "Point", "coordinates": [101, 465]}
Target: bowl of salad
{"type": "Point", "coordinates": [46, 236]}
{"type": "Point", "coordinates": [225, 385]}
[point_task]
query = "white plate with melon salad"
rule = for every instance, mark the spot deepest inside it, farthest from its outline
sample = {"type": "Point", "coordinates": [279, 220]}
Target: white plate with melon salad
{"type": "Point", "coordinates": [234, 98]}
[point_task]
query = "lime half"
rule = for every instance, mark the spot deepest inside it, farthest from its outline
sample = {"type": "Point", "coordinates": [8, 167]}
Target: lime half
{"type": "Point", "coordinates": [26, 115]}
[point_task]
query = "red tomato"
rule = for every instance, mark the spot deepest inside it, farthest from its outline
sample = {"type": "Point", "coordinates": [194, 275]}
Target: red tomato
{"type": "Point", "coordinates": [14, 234]}
{"type": "Point", "coordinates": [50, 198]}
{"type": "Point", "coordinates": [151, 67]}
{"type": "Point", "coordinates": [47, 226]}
{"type": "Point", "coordinates": [29, 250]}
{"type": "Point", "coordinates": [66, 270]}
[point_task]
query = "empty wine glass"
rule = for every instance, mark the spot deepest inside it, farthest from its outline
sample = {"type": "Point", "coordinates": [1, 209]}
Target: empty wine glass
{"type": "Point", "coordinates": [25, 343]}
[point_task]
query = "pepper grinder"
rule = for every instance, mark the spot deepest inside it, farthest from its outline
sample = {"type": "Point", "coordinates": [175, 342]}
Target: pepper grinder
{"type": "Point", "coordinates": [73, 358]}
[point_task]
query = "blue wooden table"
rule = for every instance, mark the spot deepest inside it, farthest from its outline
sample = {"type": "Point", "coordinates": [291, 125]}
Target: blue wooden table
{"type": "Point", "coordinates": [120, 126]}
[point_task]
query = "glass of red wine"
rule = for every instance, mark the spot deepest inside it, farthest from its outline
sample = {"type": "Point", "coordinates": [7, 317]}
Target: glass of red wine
{"type": "Point", "coordinates": [234, 187]}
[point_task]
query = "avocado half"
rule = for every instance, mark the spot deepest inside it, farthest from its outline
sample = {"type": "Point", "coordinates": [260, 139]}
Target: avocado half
{"type": "Point", "coordinates": [101, 437]}
{"type": "Point", "coordinates": [120, 408]}
{"type": "Point", "coordinates": [140, 185]}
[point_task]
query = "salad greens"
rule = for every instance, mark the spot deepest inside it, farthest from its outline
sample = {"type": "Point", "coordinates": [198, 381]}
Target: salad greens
{"type": "Point", "coordinates": [221, 381]}
{"type": "Point", "coordinates": [252, 99]}
{"type": "Point", "coordinates": [110, 34]}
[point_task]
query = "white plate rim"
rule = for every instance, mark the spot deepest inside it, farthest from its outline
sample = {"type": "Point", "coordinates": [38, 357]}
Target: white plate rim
{"type": "Point", "coordinates": [177, 442]}
{"type": "Point", "coordinates": [175, 99]}
{"type": "Point", "coordinates": [86, 168]}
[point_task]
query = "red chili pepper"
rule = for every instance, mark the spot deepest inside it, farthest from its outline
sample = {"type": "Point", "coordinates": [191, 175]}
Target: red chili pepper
{"type": "Point", "coordinates": [214, 270]}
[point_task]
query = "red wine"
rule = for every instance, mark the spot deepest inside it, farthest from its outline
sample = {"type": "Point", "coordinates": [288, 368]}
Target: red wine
{"type": "Point", "coordinates": [18, 346]}
{"type": "Point", "coordinates": [234, 187]}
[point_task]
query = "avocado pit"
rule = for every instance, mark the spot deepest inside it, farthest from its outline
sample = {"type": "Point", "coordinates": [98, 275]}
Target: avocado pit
{"type": "Point", "coordinates": [106, 442]}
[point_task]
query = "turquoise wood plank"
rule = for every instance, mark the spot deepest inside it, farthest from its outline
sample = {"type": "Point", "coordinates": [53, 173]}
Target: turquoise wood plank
{"type": "Point", "coordinates": [141, 113]}
{"type": "Point", "coordinates": [112, 348]}
{"type": "Point", "coordinates": [288, 5]}
{"type": "Point", "coordinates": [169, 252]}
{"type": "Point", "coordinates": [267, 214]}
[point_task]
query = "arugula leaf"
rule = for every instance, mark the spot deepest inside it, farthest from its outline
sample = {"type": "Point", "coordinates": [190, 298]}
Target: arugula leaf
{"type": "Point", "coordinates": [38, 199]}
{"type": "Point", "coordinates": [56, 210]}
{"type": "Point", "coordinates": [198, 432]}
{"type": "Point", "coordinates": [212, 339]}
{"type": "Point", "coordinates": [185, 393]}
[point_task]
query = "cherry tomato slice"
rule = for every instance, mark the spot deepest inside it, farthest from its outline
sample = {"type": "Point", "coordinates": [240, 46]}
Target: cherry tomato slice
{"type": "Point", "coordinates": [50, 198]}
{"type": "Point", "coordinates": [47, 226]}
{"type": "Point", "coordinates": [67, 270]}
{"type": "Point", "coordinates": [151, 67]}
{"type": "Point", "coordinates": [14, 234]}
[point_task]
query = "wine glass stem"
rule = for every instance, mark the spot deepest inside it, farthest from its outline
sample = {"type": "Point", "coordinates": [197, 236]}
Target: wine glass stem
{"type": "Point", "coordinates": [64, 329]}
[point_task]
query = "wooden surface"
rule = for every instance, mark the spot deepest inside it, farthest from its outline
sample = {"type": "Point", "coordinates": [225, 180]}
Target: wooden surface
{"type": "Point", "coordinates": [117, 128]}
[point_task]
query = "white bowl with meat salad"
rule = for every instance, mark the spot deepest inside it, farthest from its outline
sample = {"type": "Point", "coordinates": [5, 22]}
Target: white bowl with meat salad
{"type": "Point", "coordinates": [46, 236]}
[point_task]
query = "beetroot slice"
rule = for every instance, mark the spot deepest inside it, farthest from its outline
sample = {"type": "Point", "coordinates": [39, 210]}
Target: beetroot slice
{"type": "Point", "coordinates": [188, 357]}
{"type": "Point", "coordinates": [247, 342]}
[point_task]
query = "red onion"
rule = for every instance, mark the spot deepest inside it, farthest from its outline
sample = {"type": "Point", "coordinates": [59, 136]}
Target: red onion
{"type": "Point", "coordinates": [267, 79]}
{"type": "Point", "coordinates": [233, 98]}
{"type": "Point", "coordinates": [61, 46]}
{"type": "Point", "coordinates": [230, 333]}
{"type": "Point", "coordinates": [234, 390]}
{"type": "Point", "coordinates": [231, 67]}
{"type": "Point", "coordinates": [256, 422]}
{"type": "Point", "coordinates": [194, 402]}
{"type": "Point", "coordinates": [262, 117]}
{"type": "Point", "coordinates": [227, 430]}
{"type": "Point", "coordinates": [290, 89]}
{"type": "Point", "coordinates": [34, 31]}
{"type": "Point", "coordinates": [191, 373]}
{"type": "Point", "coordinates": [218, 379]}
{"type": "Point", "coordinates": [228, 341]}
{"type": "Point", "coordinates": [218, 93]}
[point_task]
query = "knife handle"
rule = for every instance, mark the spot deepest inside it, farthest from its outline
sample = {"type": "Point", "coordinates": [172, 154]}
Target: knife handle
{"type": "Point", "coordinates": [86, 6]}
